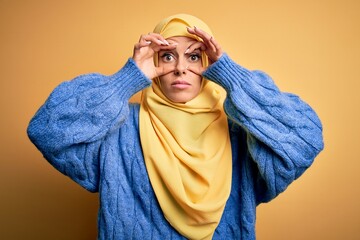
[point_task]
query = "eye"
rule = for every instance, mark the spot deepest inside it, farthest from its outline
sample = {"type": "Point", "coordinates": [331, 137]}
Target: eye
{"type": "Point", "coordinates": [167, 57]}
{"type": "Point", "coordinates": [194, 57]}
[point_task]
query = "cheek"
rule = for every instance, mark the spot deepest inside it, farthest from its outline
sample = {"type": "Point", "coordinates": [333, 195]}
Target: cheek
{"type": "Point", "coordinates": [196, 69]}
{"type": "Point", "coordinates": [197, 83]}
{"type": "Point", "coordinates": [166, 67]}
{"type": "Point", "coordinates": [197, 79]}
{"type": "Point", "coordinates": [164, 83]}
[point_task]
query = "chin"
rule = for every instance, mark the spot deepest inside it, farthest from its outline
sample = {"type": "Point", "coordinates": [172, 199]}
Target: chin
{"type": "Point", "coordinates": [181, 99]}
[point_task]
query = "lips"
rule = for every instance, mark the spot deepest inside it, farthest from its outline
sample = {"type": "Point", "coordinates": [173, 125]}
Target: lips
{"type": "Point", "coordinates": [180, 84]}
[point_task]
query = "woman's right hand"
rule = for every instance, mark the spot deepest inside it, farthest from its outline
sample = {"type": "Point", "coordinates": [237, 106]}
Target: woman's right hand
{"type": "Point", "coordinates": [144, 51]}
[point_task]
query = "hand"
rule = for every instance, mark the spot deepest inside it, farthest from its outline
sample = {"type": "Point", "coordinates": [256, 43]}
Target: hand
{"type": "Point", "coordinates": [144, 51]}
{"type": "Point", "coordinates": [209, 45]}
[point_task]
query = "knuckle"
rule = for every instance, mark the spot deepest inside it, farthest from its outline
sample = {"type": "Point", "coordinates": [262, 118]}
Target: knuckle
{"type": "Point", "coordinates": [137, 46]}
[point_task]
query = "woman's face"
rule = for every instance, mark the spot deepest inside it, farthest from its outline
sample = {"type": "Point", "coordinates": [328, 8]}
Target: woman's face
{"type": "Point", "coordinates": [181, 84]}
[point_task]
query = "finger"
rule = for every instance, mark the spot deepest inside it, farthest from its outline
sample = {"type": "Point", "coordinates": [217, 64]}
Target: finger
{"type": "Point", "coordinates": [207, 38]}
{"type": "Point", "coordinates": [158, 48]}
{"type": "Point", "coordinates": [215, 44]}
{"type": "Point", "coordinates": [151, 35]}
{"type": "Point", "coordinates": [155, 38]}
{"type": "Point", "coordinates": [196, 45]}
{"type": "Point", "coordinates": [191, 30]}
{"type": "Point", "coordinates": [211, 45]}
{"type": "Point", "coordinates": [161, 71]}
{"type": "Point", "coordinates": [218, 52]}
{"type": "Point", "coordinates": [141, 44]}
{"type": "Point", "coordinates": [155, 41]}
{"type": "Point", "coordinates": [197, 70]}
{"type": "Point", "coordinates": [202, 34]}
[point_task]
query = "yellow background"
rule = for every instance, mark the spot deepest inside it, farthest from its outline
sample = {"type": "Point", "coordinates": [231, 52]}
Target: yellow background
{"type": "Point", "coordinates": [309, 47]}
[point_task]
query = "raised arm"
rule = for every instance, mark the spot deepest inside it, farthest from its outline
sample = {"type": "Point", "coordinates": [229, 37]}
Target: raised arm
{"type": "Point", "coordinates": [284, 134]}
{"type": "Point", "coordinates": [69, 128]}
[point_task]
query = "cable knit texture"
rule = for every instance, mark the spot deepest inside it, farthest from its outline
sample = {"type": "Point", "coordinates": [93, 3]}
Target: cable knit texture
{"type": "Point", "coordinates": [89, 132]}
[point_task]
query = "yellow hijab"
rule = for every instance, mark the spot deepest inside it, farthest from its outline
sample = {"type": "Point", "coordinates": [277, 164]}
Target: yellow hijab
{"type": "Point", "coordinates": [186, 148]}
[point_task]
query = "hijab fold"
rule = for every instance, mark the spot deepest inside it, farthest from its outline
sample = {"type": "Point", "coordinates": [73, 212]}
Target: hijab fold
{"type": "Point", "coordinates": [187, 148]}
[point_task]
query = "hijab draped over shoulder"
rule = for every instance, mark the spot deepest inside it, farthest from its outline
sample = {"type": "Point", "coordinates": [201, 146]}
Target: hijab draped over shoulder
{"type": "Point", "coordinates": [186, 147]}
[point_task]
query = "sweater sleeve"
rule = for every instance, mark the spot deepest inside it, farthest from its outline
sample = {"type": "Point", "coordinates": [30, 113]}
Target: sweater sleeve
{"type": "Point", "coordinates": [284, 134]}
{"type": "Point", "coordinates": [71, 125]}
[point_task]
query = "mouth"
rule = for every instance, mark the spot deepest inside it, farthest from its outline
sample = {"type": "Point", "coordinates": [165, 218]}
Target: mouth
{"type": "Point", "coordinates": [180, 84]}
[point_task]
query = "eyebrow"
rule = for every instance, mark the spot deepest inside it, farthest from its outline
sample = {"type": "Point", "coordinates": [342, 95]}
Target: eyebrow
{"type": "Point", "coordinates": [175, 52]}
{"type": "Point", "coordinates": [167, 51]}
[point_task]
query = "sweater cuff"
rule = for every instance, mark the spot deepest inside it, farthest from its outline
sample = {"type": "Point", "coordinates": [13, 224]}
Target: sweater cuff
{"type": "Point", "coordinates": [131, 79]}
{"type": "Point", "coordinates": [227, 73]}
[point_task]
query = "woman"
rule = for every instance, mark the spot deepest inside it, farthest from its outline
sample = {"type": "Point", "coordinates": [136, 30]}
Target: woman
{"type": "Point", "coordinates": [209, 141]}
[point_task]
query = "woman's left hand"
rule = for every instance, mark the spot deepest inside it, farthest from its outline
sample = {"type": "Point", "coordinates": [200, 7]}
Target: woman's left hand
{"type": "Point", "coordinates": [211, 47]}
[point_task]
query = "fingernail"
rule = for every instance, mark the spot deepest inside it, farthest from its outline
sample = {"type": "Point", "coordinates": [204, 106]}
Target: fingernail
{"type": "Point", "coordinates": [161, 42]}
{"type": "Point", "coordinates": [187, 50]}
{"type": "Point", "coordinates": [166, 42]}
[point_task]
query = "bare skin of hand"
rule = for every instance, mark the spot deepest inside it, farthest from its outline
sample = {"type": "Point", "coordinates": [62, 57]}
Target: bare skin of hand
{"type": "Point", "coordinates": [211, 47]}
{"type": "Point", "coordinates": [144, 52]}
{"type": "Point", "coordinates": [152, 43]}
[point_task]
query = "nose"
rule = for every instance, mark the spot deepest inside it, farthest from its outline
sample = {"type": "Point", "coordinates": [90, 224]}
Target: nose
{"type": "Point", "coordinates": [180, 67]}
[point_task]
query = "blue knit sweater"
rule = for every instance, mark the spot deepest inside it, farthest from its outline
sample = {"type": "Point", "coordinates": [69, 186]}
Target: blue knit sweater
{"type": "Point", "coordinates": [88, 131]}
